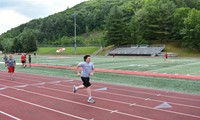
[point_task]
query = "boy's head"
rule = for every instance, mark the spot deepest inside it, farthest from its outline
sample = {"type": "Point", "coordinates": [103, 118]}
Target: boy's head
{"type": "Point", "coordinates": [85, 58]}
{"type": "Point", "coordinates": [10, 56]}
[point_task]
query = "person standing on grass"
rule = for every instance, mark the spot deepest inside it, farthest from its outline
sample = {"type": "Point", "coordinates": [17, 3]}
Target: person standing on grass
{"type": "Point", "coordinates": [23, 60]}
{"type": "Point", "coordinates": [35, 54]}
{"type": "Point", "coordinates": [29, 60]}
{"type": "Point", "coordinates": [11, 66]}
{"type": "Point", "coordinates": [166, 56]}
{"type": "Point", "coordinates": [87, 71]}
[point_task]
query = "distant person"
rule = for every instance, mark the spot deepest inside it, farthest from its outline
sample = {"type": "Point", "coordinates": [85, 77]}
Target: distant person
{"type": "Point", "coordinates": [29, 60]}
{"type": "Point", "coordinates": [166, 56]}
{"type": "Point", "coordinates": [87, 71]}
{"type": "Point", "coordinates": [34, 54]}
{"type": "Point", "coordinates": [11, 64]}
{"type": "Point", "coordinates": [23, 60]}
{"type": "Point", "coordinates": [113, 55]}
{"type": "Point", "coordinates": [5, 58]}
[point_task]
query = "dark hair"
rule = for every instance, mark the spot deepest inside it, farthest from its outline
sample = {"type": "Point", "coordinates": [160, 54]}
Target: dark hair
{"type": "Point", "coordinates": [85, 57]}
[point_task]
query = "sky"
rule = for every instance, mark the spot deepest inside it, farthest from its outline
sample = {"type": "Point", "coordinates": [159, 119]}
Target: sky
{"type": "Point", "coordinates": [16, 12]}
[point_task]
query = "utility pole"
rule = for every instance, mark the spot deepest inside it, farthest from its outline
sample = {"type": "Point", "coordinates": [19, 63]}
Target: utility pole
{"type": "Point", "coordinates": [74, 15]}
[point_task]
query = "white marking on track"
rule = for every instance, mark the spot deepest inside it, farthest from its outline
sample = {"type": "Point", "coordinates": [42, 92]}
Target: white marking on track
{"type": "Point", "coordinates": [9, 115]}
{"type": "Point", "coordinates": [50, 109]}
{"type": "Point", "coordinates": [114, 111]}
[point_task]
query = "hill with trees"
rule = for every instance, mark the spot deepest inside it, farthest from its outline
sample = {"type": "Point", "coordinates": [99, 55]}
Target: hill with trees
{"type": "Point", "coordinates": [115, 22]}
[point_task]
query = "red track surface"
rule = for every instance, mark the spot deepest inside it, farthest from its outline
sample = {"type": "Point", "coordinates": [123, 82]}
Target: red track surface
{"type": "Point", "coordinates": [35, 97]}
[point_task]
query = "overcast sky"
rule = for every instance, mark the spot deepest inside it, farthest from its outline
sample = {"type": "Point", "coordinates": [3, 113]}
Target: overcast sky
{"type": "Point", "coordinates": [16, 12]}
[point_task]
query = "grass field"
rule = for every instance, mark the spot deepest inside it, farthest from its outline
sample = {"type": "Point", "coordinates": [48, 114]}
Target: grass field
{"type": "Point", "coordinates": [185, 66]}
{"type": "Point", "coordinates": [68, 51]}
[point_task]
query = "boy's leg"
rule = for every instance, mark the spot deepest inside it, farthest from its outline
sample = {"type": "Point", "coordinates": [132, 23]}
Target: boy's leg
{"type": "Point", "coordinates": [89, 91]}
{"type": "Point", "coordinates": [75, 88]}
{"type": "Point", "coordinates": [90, 99]}
{"type": "Point", "coordinates": [11, 76]}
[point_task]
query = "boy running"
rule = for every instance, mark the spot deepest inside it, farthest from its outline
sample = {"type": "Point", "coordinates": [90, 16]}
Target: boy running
{"type": "Point", "coordinates": [11, 66]}
{"type": "Point", "coordinates": [87, 71]}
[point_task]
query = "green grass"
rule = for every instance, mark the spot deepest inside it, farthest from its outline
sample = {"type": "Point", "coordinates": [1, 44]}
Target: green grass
{"type": "Point", "coordinates": [179, 85]}
{"type": "Point", "coordinates": [175, 47]}
{"type": "Point", "coordinates": [149, 64]}
{"type": "Point", "coordinates": [68, 51]}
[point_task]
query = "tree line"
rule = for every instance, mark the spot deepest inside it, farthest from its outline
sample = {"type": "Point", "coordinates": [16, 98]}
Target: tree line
{"type": "Point", "coordinates": [121, 22]}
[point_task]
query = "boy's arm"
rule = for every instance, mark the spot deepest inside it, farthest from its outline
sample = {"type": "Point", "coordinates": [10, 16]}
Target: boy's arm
{"type": "Point", "coordinates": [6, 63]}
{"type": "Point", "coordinates": [92, 73]}
{"type": "Point", "coordinates": [77, 70]}
{"type": "Point", "coordinates": [15, 64]}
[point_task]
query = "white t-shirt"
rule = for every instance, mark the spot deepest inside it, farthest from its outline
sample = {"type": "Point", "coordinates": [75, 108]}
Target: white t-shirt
{"type": "Point", "coordinates": [86, 68]}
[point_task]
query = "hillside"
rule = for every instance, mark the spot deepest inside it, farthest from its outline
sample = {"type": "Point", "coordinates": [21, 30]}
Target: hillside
{"type": "Point", "coordinates": [110, 22]}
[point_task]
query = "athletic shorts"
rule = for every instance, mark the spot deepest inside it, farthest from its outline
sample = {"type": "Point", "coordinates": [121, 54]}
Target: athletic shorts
{"type": "Point", "coordinates": [23, 61]}
{"type": "Point", "coordinates": [11, 69]}
{"type": "Point", "coordinates": [86, 81]}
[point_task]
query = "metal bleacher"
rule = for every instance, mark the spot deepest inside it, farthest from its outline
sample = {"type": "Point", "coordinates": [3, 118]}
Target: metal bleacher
{"type": "Point", "coordinates": [142, 50]}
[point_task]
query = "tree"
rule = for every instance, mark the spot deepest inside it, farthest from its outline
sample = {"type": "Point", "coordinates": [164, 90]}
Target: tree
{"type": "Point", "coordinates": [187, 3]}
{"type": "Point", "coordinates": [136, 32]}
{"type": "Point", "coordinates": [155, 19]}
{"type": "Point", "coordinates": [115, 27]}
{"type": "Point", "coordinates": [178, 24]}
{"type": "Point", "coordinates": [28, 40]}
{"type": "Point", "coordinates": [191, 30]}
{"type": "Point", "coordinates": [17, 46]}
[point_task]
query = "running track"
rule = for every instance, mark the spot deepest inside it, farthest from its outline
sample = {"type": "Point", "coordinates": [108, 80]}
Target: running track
{"type": "Point", "coordinates": [36, 97]}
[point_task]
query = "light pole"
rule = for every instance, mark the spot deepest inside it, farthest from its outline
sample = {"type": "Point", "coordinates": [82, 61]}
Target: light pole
{"type": "Point", "coordinates": [74, 15]}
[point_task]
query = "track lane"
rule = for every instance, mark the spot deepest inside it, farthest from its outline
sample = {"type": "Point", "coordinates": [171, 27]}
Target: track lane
{"type": "Point", "coordinates": [116, 88]}
{"type": "Point", "coordinates": [84, 110]}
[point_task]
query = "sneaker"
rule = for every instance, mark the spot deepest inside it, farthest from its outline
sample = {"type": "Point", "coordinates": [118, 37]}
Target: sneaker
{"type": "Point", "coordinates": [11, 78]}
{"type": "Point", "coordinates": [75, 89]}
{"type": "Point", "coordinates": [91, 100]}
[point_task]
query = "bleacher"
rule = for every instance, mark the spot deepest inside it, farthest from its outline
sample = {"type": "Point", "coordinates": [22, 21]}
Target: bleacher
{"type": "Point", "coordinates": [142, 50]}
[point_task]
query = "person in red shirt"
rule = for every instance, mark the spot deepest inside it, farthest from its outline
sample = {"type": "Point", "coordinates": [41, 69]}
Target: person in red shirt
{"type": "Point", "coordinates": [23, 60]}
{"type": "Point", "coordinates": [166, 56]}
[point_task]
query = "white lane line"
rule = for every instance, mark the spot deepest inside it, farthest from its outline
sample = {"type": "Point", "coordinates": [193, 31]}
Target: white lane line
{"type": "Point", "coordinates": [174, 112]}
{"type": "Point", "coordinates": [21, 86]}
{"type": "Point", "coordinates": [38, 84]}
{"type": "Point", "coordinates": [157, 100]}
{"type": "Point", "coordinates": [146, 93]}
{"type": "Point", "coordinates": [3, 88]}
{"type": "Point", "coordinates": [114, 111]}
{"type": "Point", "coordinates": [146, 107]}
{"type": "Point", "coordinates": [132, 104]}
{"type": "Point", "coordinates": [30, 103]}
{"type": "Point", "coordinates": [154, 100]}
{"type": "Point", "coordinates": [53, 82]}
{"type": "Point", "coordinates": [66, 100]}
{"type": "Point", "coordinates": [9, 115]}
{"type": "Point", "coordinates": [128, 96]}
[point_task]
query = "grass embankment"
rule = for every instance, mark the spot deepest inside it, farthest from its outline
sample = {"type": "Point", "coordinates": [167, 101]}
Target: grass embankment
{"type": "Point", "coordinates": [175, 47]}
{"type": "Point", "coordinates": [67, 51]}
